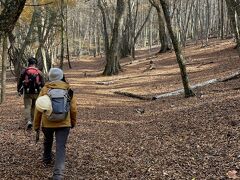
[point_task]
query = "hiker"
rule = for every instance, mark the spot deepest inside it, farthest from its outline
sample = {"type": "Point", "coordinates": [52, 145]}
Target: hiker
{"type": "Point", "coordinates": [29, 85]}
{"type": "Point", "coordinates": [47, 115]}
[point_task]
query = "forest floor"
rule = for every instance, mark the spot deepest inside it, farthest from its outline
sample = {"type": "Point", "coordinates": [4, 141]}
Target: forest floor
{"type": "Point", "coordinates": [119, 137]}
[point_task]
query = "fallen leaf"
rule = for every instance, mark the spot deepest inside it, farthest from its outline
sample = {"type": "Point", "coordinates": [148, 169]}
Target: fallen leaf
{"type": "Point", "coordinates": [232, 174]}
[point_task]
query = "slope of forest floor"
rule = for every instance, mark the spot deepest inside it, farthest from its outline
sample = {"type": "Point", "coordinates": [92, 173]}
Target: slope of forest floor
{"type": "Point", "coordinates": [118, 137]}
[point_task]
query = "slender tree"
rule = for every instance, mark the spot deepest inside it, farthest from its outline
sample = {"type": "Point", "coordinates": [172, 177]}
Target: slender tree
{"type": "Point", "coordinates": [68, 54]}
{"type": "Point", "coordinates": [180, 58]}
{"type": "Point", "coordinates": [62, 34]}
{"type": "Point", "coordinates": [161, 25]}
{"type": "Point", "coordinates": [4, 68]}
{"type": "Point", "coordinates": [232, 12]}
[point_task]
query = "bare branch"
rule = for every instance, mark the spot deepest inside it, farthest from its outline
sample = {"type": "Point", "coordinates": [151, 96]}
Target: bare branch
{"type": "Point", "coordinates": [39, 4]}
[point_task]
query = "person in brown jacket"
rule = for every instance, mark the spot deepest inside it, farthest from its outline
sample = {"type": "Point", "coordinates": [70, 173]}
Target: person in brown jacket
{"type": "Point", "coordinates": [60, 128]}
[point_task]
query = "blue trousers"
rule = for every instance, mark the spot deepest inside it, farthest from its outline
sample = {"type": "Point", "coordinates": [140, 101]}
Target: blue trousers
{"type": "Point", "coordinates": [61, 135]}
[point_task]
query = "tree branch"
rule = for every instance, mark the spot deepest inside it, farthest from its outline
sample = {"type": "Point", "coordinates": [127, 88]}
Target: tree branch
{"type": "Point", "coordinates": [39, 4]}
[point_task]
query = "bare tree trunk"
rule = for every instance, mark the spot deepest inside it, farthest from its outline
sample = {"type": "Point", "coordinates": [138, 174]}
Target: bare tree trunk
{"type": "Point", "coordinates": [9, 15]}
{"type": "Point", "coordinates": [150, 31]}
{"type": "Point", "coordinates": [162, 33]}
{"type": "Point", "coordinates": [161, 25]}
{"type": "Point", "coordinates": [140, 30]}
{"type": "Point", "coordinates": [68, 54]}
{"type": "Point", "coordinates": [187, 19]}
{"type": "Point", "coordinates": [232, 12]}
{"type": "Point", "coordinates": [131, 28]}
{"type": "Point", "coordinates": [98, 39]}
{"type": "Point", "coordinates": [222, 20]}
{"type": "Point", "coordinates": [4, 68]}
{"type": "Point", "coordinates": [180, 58]}
{"type": "Point", "coordinates": [17, 55]}
{"type": "Point", "coordinates": [8, 18]}
{"type": "Point", "coordinates": [112, 50]}
{"type": "Point", "coordinates": [105, 29]}
{"type": "Point", "coordinates": [207, 21]}
{"type": "Point", "coordinates": [113, 66]}
{"type": "Point", "coordinates": [196, 24]}
{"type": "Point", "coordinates": [44, 60]}
{"type": "Point", "coordinates": [62, 35]}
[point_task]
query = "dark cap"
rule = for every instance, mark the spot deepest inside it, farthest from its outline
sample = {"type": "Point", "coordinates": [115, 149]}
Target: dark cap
{"type": "Point", "coordinates": [32, 61]}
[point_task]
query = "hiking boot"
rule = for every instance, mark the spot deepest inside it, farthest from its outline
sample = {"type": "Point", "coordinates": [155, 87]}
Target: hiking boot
{"type": "Point", "coordinates": [29, 125]}
{"type": "Point", "coordinates": [47, 162]}
{"type": "Point", "coordinates": [57, 177]}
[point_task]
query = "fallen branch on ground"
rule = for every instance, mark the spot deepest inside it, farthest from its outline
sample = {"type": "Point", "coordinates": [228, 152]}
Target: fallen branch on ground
{"type": "Point", "coordinates": [199, 64]}
{"type": "Point", "coordinates": [132, 95]}
{"type": "Point", "coordinates": [180, 91]}
{"type": "Point", "coordinates": [230, 77]}
{"type": "Point", "coordinates": [152, 57]}
{"type": "Point", "coordinates": [227, 89]}
{"type": "Point", "coordinates": [202, 64]}
{"type": "Point", "coordinates": [104, 82]}
{"type": "Point", "coordinates": [45, 4]}
{"type": "Point", "coordinates": [236, 88]}
{"type": "Point", "coordinates": [131, 62]}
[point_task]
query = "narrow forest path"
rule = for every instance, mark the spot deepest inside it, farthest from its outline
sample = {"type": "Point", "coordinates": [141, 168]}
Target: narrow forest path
{"type": "Point", "coordinates": [123, 138]}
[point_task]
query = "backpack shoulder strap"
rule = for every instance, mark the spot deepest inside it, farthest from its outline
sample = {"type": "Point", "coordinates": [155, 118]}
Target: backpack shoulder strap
{"type": "Point", "coordinates": [70, 93]}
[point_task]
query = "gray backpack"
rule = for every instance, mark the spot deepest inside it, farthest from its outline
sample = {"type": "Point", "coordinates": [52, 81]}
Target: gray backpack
{"type": "Point", "coordinates": [60, 104]}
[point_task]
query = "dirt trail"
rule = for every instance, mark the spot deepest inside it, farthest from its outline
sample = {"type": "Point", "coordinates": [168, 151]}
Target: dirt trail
{"type": "Point", "coordinates": [174, 138]}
